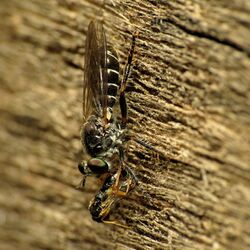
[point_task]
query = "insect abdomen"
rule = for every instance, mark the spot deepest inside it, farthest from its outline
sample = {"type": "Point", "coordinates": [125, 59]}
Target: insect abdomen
{"type": "Point", "coordinates": [113, 76]}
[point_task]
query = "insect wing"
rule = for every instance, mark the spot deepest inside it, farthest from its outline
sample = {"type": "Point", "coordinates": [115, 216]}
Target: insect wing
{"type": "Point", "coordinates": [95, 72]}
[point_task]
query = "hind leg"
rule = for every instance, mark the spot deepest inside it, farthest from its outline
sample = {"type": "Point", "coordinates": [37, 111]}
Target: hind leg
{"type": "Point", "coordinates": [123, 103]}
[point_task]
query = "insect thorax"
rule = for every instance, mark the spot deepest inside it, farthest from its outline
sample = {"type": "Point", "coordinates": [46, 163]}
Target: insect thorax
{"type": "Point", "coordinates": [100, 141]}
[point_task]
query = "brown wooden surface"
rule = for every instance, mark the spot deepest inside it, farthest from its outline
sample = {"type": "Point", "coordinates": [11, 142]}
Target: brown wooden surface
{"type": "Point", "coordinates": [188, 95]}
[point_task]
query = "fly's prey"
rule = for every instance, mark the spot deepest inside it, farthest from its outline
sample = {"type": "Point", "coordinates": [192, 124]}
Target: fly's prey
{"type": "Point", "coordinates": [102, 135]}
{"type": "Point", "coordinates": [115, 187]}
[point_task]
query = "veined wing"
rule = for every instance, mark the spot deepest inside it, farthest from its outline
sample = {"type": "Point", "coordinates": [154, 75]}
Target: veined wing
{"type": "Point", "coordinates": [95, 72]}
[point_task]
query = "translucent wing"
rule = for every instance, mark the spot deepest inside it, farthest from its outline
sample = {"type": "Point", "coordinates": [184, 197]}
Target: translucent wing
{"type": "Point", "coordinates": [95, 72]}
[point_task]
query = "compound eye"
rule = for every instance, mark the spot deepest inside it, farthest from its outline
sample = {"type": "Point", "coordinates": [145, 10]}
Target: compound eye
{"type": "Point", "coordinates": [98, 166]}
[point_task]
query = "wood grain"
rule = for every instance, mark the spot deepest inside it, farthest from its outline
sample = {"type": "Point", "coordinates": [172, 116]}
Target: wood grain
{"type": "Point", "coordinates": [188, 96]}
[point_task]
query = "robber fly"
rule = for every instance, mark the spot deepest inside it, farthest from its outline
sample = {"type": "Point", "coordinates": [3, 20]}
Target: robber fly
{"type": "Point", "coordinates": [102, 135]}
{"type": "Point", "coordinates": [115, 187]}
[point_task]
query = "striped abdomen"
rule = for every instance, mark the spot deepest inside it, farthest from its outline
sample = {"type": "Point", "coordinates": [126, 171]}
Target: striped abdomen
{"type": "Point", "coordinates": [113, 76]}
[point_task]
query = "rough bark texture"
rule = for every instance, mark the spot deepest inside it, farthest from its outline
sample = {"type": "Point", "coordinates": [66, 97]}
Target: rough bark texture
{"type": "Point", "coordinates": [188, 96]}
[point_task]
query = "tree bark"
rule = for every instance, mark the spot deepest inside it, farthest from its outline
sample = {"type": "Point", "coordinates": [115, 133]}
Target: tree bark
{"type": "Point", "coordinates": [188, 97]}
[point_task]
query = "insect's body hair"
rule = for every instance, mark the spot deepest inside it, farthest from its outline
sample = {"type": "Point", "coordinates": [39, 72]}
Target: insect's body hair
{"type": "Point", "coordinates": [99, 141]}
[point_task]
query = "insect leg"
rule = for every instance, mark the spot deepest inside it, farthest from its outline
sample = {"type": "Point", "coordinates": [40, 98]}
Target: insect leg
{"type": "Point", "coordinates": [81, 168]}
{"type": "Point", "coordinates": [81, 184]}
{"type": "Point", "coordinates": [118, 173]}
{"type": "Point", "coordinates": [130, 184]}
{"type": "Point", "coordinates": [130, 179]}
{"type": "Point", "coordinates": [158, 155]}
{"type": "Point", "coordinates": [123, 103]}
{"type": "Point", "coordinates": [133, 178]}
{"type": "Point", "coordinates": [115, 223]}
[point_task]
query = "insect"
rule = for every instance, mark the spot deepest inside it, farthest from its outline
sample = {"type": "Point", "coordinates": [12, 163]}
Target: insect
{"type": "Point", "coordinates": [115, 187]}
{"type": "Point", "coordinates": [102, 135]}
